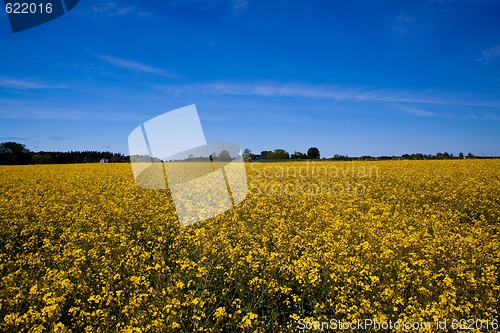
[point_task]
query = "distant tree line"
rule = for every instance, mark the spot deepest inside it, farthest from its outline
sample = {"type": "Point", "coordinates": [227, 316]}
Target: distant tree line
{"type": "Point", "coordinates": [223, 156]}
{"type": "Point", "coordinates": [16, 153]}
{"type": "Point", "coordinates": [420, 156]}
{"type": "Point", "coordinates": [313, 153]}
{"type": "Point", "coordinates": [281, 154]}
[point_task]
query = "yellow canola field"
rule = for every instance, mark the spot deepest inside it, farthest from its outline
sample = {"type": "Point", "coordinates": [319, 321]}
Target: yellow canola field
{"type": "Point", "coordinates": [83, 248]}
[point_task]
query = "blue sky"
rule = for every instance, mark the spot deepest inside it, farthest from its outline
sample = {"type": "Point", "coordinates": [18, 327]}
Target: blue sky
{"type": "Point", "coordinates": [349, 77]}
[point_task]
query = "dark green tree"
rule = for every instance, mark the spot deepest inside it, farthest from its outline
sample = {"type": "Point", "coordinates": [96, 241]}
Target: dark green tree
{"type": "Point", "coordinates": [13, 148]}
{"type": "Point", "coordinates": [267, 154]}
{"type": "Point", "coordinates": [313, 153]}
{"type": "Point", "coordinates": [14, 153]}
{"type": "Point", "coordinates": [41, 159]}
{"type": "Point", "coordinates": [280, 154]}
{"type": "Point", "coordinates": [298, 155]}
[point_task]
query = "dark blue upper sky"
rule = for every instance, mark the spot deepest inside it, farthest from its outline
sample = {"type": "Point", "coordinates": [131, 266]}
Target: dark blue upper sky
{"type": "Point", "coordinates": [349, 77]}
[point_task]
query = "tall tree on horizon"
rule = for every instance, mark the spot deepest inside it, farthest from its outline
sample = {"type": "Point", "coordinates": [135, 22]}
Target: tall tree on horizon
{"type": "Point", "coordinates": [313, 153]}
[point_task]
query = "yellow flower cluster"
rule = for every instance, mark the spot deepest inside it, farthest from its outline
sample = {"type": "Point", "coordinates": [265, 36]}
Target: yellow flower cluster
{"type": "Point", "coordinates": [83, 248]}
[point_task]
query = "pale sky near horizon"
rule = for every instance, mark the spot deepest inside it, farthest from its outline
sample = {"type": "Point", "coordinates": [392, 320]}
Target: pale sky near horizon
{"type": "Point", "coordinates": [349, 77]}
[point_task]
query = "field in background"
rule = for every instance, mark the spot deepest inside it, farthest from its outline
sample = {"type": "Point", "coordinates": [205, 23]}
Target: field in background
{"type": "Point", "coordinates": [83, 248]}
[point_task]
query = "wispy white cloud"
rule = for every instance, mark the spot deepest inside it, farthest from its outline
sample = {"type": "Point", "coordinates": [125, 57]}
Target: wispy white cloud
{"type": "Point", "coordinates": [331, 92]}
{"type": "Point", "coordinates": [25, 84]}
{"type": "Point", "coordinates": [110, 9]}
{"type": "Point", "coordinates": [418, 112]}
{"type": "Point", "coordinates": [48, 111]}
{"type": "Point", "coordinates": [121, 11]}
{"type": "Point", "coordinates": [14, 138]}
{"type": "Point", "coordinates": [490, 54]}
{"type": "Point", "coordinates": [403, 23]}
{"type": "Point", "coordinates": [30, 112]}
{"type": "Point", "coordinates": [424, 103]}
{"type": "Point", "coordinates": [475, 116]}
{"type": "Point", "coordinates": [239, 6]}
{"type": "Point", "coordinates": [461, 1]}
{"type": "Point", "coordinates": [235, 7]}
{"type": "Point", "coordinates": [463, 114]}
{"type": "Point", "coordinates": [135, 66]}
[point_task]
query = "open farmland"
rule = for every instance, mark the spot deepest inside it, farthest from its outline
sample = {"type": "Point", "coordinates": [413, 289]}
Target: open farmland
{"type": "Point", "coordinates": [84, 249]}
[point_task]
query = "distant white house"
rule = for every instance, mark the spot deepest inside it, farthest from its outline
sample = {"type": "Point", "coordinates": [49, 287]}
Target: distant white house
{"type": "Point", "coordinates": [104, 160]}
